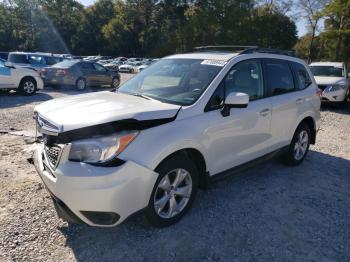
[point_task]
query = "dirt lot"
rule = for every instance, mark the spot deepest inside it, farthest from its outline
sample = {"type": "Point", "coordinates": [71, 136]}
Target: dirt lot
{"type": "Point", "coordinates": [270, 212]}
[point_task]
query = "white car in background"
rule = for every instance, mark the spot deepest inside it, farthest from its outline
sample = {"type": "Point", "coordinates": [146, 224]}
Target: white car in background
{"type": "Point", "coordinates": [333, 79]}
{"type": "Point", "coordinates": [129, 67]}
{"type": "Point", "coordinates": [26, 80]}
{"type": "Point", "coordinates": [189, 118]}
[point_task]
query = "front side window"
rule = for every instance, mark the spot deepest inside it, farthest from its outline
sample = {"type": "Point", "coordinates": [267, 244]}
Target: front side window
{"type": "Point", "coordinates": [303, 77]}
{"type": "Point", "coordinates": [177, 81]}
{"type": "Point", "coordinates": [244, 77]}
{"type": "Point", "coordinates": [327, 71]}
{"type": "Point", "coordinates": [279, 76]}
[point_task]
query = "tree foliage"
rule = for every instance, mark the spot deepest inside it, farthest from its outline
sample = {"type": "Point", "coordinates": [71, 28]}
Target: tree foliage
{"type": "Point", "coordinates": [142, 27]}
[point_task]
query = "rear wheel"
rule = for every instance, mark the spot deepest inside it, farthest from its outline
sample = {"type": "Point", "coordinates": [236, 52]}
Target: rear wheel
{"type": "Point", "coordinates": [28, 86]}
{"type": "Point", "coordinates": [299, 146]}
{"type": "Point", "coordinates": [174, 191]}
{"type": "Point", "coordinates": [80, 84]}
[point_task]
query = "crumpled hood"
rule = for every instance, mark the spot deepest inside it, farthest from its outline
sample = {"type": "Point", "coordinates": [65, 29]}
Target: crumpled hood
{"type": "Point", "coordinates": [327, 80]}
{"type": "Point", "coordinates": [91, 109]}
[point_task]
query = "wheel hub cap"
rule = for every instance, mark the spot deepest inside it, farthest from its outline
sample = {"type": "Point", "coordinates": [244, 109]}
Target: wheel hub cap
{"type": "Point", "coordinates": [301, 145]}
{"type": "Point", "coordinates": [29, 87]}
{"type": "Point", "coordinates": [173, 193]}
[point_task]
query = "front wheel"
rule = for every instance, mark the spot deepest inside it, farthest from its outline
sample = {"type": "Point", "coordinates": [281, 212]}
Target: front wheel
{"type": "Point", "coordinates": [115, 82]}
{"type": "Point", "coordinates": [174, 191]}
{"type": "Point", "coordinates": [299, 146]}
{"type": "Point", "coordinates": [28, 86]}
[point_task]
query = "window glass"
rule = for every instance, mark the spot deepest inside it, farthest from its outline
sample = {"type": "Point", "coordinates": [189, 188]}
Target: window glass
{"type": "Point", "coordinates": [279, 76]}
{"type": "Point", "coordinates": [177, 81]}
{"type": "Point", "coordinates": [65, 63]}
{"type": "Point", "coordinates": [18, 58]}
{"type": "Point", "coordinates": [327, 71]}
{"type": "Point", "coordinates": [36, 60]}
{"type": "Point", "coordinates": [303, 77]}
{"type": "Point", "coordinates": [52, 60]}
{"type": "Point", "coordinates": [245, 77]}
{"type": "Point", "coordinates": [2, 63]}
{"type": "Point", "coordinates": [99, 67]}
{"type": "Point", "coordinates": [86, 66]}
{"type": "Point", "coordinates": [217, 99]}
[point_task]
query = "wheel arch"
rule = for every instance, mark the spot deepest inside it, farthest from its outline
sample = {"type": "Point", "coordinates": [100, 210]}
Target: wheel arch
{"type": "Point", "coordinates": [198, 159]}
{"type": "Point", "coordinates": [310, 122]}
{"type": "Point", "coordinates": [26, 77]}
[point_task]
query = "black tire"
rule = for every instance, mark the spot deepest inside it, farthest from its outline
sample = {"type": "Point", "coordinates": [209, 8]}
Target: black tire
{"type": "Point", "coordinates": [115, 82]}
{"type": "Point", "coordinates": [165, 169]}
{"type": "Point", "coordinates": [28, 86]}
{"type": "Point", "coordinates": [80, 84]}
{"type": "Point", "coordinates": [290, 157]}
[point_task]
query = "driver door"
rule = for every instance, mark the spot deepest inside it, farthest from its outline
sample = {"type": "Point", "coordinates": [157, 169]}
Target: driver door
{"type": "Point", "coordinates": [245, 133]}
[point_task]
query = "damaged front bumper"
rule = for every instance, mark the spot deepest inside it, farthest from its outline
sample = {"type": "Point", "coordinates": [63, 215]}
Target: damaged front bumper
{"type": "Point", "coordinates": [97, 196]}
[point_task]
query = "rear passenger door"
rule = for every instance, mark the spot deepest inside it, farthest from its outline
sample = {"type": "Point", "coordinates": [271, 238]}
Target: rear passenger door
{"type": "Point", "coordinates": [285, 101]}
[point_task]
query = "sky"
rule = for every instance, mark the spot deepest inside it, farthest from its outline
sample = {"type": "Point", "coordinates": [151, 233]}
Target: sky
{"type": "Point", "coordinates": [300, 24]}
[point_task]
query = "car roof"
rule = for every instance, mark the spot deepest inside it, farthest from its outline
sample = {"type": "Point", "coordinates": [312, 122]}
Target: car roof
{"type": "Point", "coordinates": [224, 56]}
{"type": "Point", "coordinates": [335, 64]}
{"type": "Point", "coordinates": [37, 54]}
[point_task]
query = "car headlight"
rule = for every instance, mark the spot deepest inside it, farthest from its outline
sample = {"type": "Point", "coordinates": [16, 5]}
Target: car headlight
{"type": "Point", "coordinates": [100, 149]}
{"type": "Point", "coordinates": [333, 88]}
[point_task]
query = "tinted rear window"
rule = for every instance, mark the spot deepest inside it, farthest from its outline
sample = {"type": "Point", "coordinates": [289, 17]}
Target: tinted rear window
{"type": "Point", "coordinates": [66, 63]}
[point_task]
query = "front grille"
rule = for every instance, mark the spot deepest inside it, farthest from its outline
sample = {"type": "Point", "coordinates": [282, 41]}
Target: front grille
{"type": "Point", "coordinates": [322, 87]}
{"type": "Point", "coordinates": [53, 154]}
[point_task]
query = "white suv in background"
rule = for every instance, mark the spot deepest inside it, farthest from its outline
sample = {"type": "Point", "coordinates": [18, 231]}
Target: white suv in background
{"type": "Point", "coordinates": [179, 123]}
{"type": "Point", "coordinates": [25, 80]}
{"type": "Point", "coordinates": [333, 79]}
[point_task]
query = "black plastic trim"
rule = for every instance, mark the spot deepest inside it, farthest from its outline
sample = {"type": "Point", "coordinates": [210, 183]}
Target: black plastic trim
{"type": "Point", "coordinates": [248, 165]}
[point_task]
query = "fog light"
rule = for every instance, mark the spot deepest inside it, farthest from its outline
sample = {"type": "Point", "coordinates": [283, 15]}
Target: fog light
{"type": "Point", "coordinates": [101, 218]}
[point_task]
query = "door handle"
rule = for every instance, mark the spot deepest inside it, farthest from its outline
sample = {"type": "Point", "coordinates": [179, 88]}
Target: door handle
{"type": "Point", "coordinates": [265, 112]}
{"type": "Point", "coordinates": [299, 101]}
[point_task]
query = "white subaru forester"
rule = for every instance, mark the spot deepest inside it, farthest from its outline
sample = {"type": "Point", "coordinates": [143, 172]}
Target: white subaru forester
{"type": "Point", "coordinates": [172, 128]}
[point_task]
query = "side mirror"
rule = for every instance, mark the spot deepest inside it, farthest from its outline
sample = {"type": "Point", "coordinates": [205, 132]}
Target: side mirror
{"type": "Point", "coordinates": [234, 100]}
{"type": "Point", "coordinates": [9, 64]}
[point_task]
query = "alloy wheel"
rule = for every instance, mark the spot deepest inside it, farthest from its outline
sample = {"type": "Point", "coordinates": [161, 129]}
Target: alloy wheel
{"type": "Point", "coordinates": [29, 87]}
{"type": "Point", "coordinates": [173, 193]}
{"type": "Point", "coordinates": [301, 144]}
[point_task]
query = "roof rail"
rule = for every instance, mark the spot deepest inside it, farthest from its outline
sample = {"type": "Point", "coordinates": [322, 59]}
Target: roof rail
{"type": "Point", "coordinates": [222, 48]}
{"type": "Point", "coordinates": [268, 51]}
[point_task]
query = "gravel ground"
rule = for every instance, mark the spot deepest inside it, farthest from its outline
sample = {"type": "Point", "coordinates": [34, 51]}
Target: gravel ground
{"type": "Point", "coordinates": [270, 212]}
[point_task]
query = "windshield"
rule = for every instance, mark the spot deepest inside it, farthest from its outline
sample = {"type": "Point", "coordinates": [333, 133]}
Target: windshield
{"type": "Point", "coordinates": [175, 81]}
{"type": "Point", "coordinates": [327, 71]}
